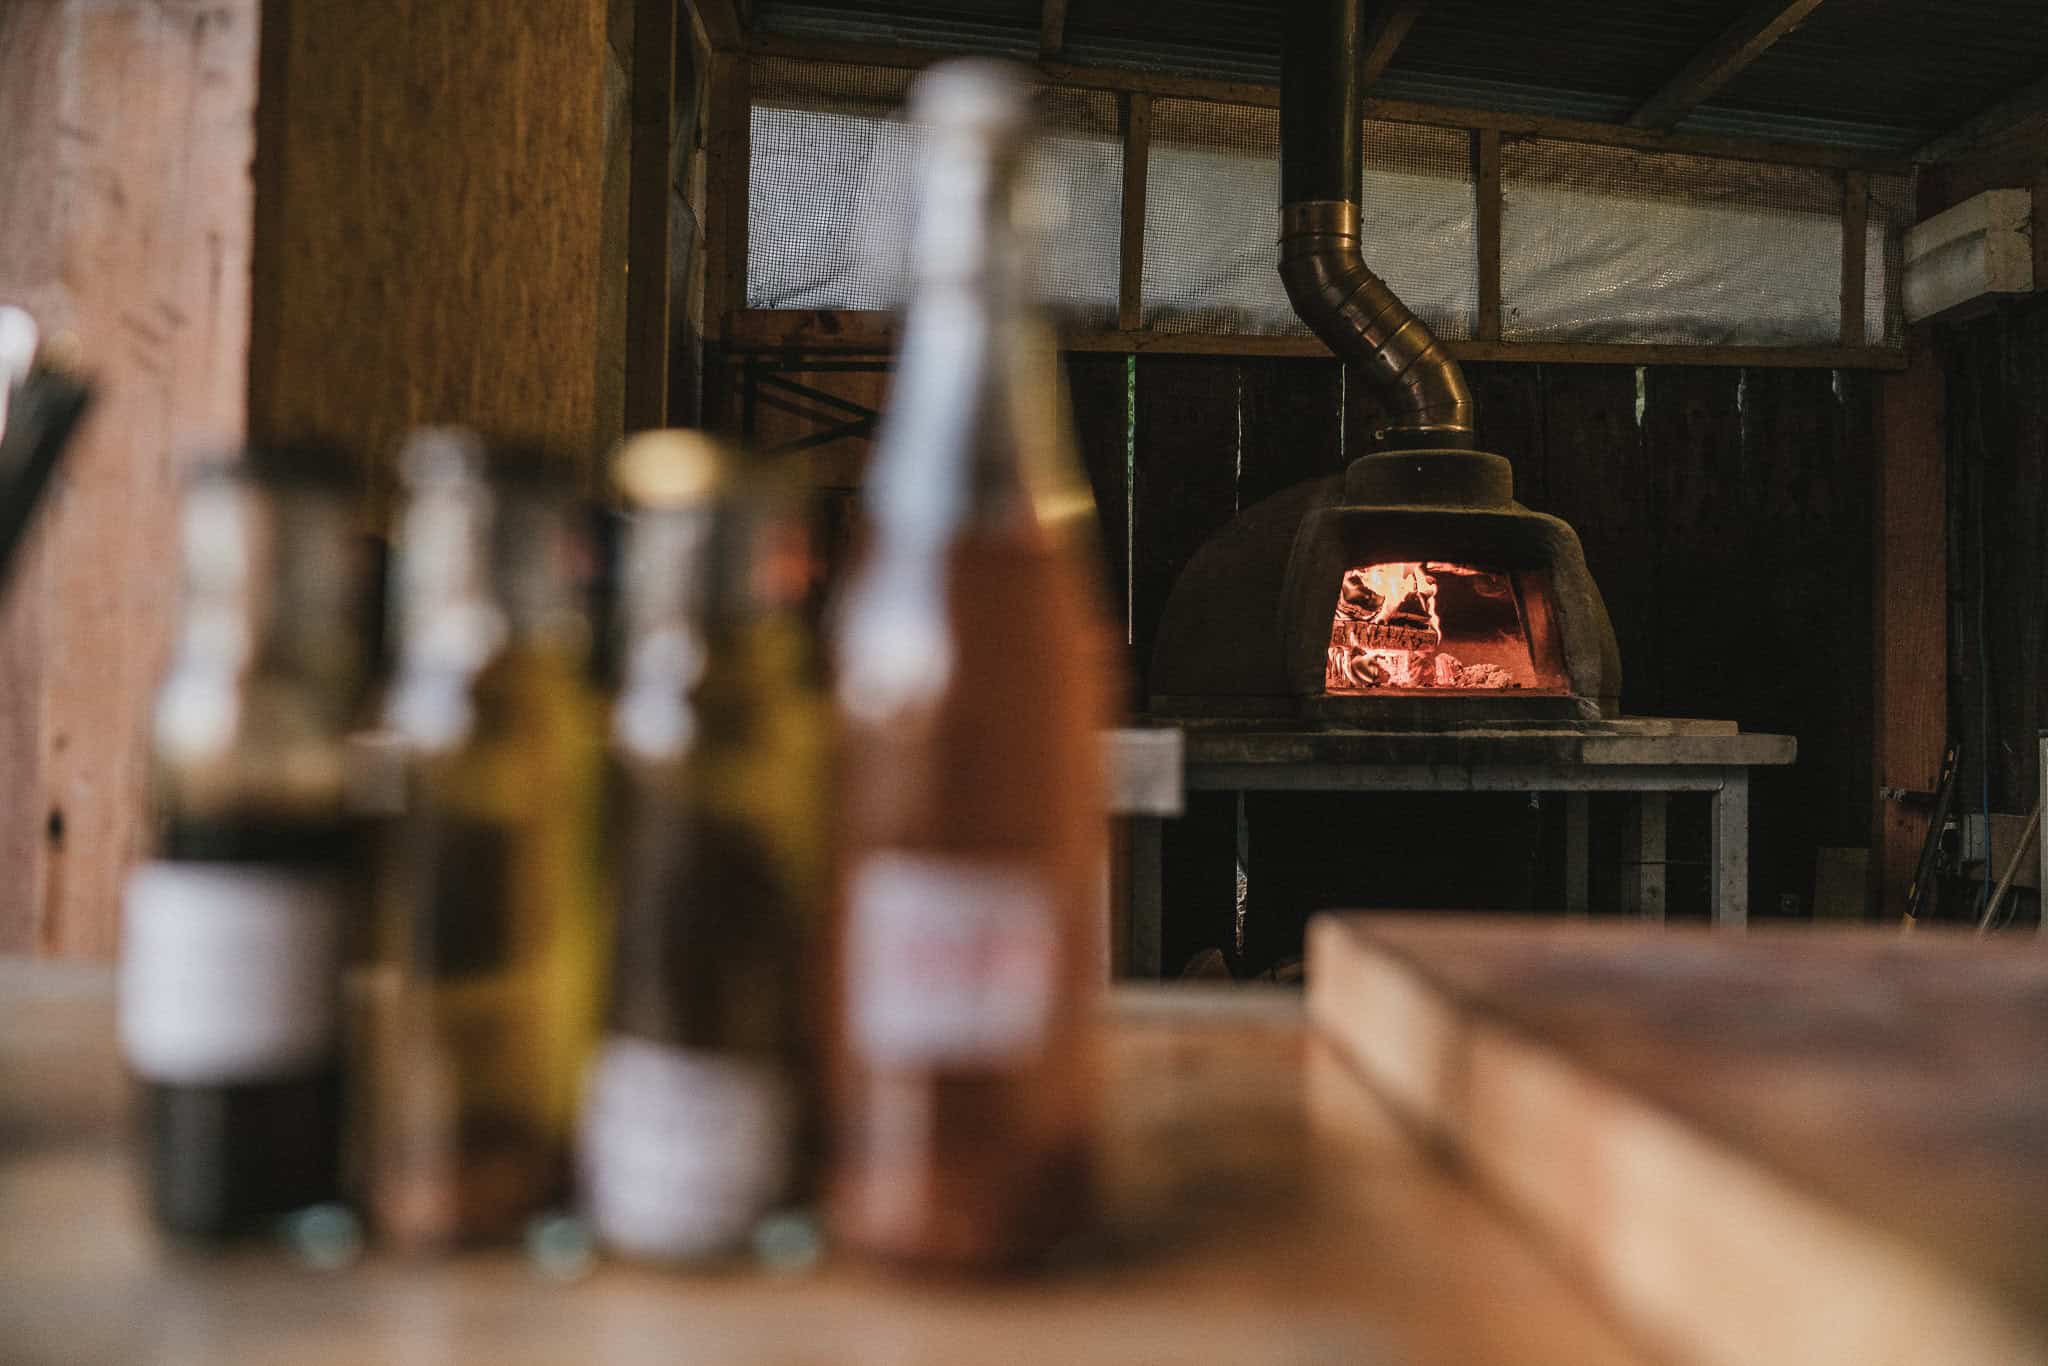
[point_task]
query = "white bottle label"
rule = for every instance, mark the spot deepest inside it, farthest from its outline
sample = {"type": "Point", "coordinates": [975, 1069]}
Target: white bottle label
{"type": "Point", "coordinates": [952, 961]}
{"type": "Point", "coordinates": [229, 972]}
{"type": "Point", "coordinates": [682, 1150]}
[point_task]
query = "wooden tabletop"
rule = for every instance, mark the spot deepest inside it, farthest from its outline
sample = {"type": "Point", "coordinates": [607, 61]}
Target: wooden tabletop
{"type": "Point", "coordinates": [1263, 1208]}
{"type": "Point", "coordinates": [1826, 1146]}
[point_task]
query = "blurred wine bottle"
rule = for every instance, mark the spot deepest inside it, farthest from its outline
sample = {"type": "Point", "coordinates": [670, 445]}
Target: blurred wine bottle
{"type": "Point", "coordinates": [231, 938]}
{"type": "Point", "coordinates": [491, 925]}
{"type": "Point", "coordinates": [972, 661]}
{"type": "Point", "coordinates": [697, 1119]}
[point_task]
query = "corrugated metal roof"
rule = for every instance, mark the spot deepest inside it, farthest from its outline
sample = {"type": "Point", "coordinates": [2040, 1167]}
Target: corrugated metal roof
{"type": "Point", "coordinates": [1921, 65]}
{"type": "Point", "coordinates": [1882, 75]}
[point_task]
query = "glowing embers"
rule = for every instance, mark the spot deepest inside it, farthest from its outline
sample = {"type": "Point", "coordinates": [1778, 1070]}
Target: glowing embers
{"type": "Point", "coordinates": [1427, 624]}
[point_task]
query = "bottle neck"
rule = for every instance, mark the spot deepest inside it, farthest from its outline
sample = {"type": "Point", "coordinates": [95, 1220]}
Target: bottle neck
{"type": "Point", "coordinates": [484, 574]}
{"type": "Point", "coordinates": [267, 602]}
{"type": "Point", "coordinates": [712, 596]}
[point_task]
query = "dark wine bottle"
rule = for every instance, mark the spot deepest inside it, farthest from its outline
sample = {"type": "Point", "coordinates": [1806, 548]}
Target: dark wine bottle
{"type": "Point", "coordinates": [233, 933]}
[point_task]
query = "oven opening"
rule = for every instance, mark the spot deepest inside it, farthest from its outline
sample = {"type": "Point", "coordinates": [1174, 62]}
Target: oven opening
{"type": "Point", "coordinates": [1430, 626]}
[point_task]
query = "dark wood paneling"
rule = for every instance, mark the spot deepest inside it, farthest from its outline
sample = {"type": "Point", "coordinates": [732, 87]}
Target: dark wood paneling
{"type": "Point", "coordinates": [1693, 429]}
{"type": "Point", "coordinates": [451, 213]}
{"type": "Point", "coordinates": [1510, 399]}
{"type": "Point", "coordinates": [1098, 387]}
{"type": "Point", "coordinates": [1910, 610]}
{"type": "Point", "coordinates": [1596, 478]}
{"type": "Point", "coordinates": [1291, 412]}
{"type": "Point", "coordinates": [1184, 475]}
{"type": "Point", "coordinates": [1998, 413]}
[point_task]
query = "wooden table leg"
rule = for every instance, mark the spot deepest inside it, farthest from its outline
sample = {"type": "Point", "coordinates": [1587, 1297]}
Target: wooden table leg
{"type": "Point", "coordinates": [1148, 894]}
{"type": "Point", "coordinates": [1728, 852]}
{"type": "Point", "coordinates": [1648, 818]}
{"type": "Point", "coordinates": [1578, 866]}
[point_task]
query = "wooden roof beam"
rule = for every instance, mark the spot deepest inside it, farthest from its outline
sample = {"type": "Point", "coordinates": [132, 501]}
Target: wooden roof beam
{"type": "Point", "coordinates": [1052, 28]}
{"type": "Point", "coordinates": [1742, 42]}
{"type": "Point", "coordinates": [1384, 34]}
{"type": "Point", "coordinates": [2010, 115]}
{"type": "Point", "coordinates": [720, 24]}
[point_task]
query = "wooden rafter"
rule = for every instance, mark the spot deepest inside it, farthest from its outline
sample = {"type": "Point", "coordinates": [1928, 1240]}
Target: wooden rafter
{"type": "Point", "coordinates": [1385, 33]}
{"type": "Point", "coordinates": [1992, 125]}
{"type": "Point", "coordinates": [1163, 85]}
{"type": "Point", "coordinates": [804, 332]}
{"type": "Point", "coordinates": [720, 24]}
{"type": "Point", "coordinates": [1741, 43]}
{"type": "Point", "coordinates": [1052, 28]}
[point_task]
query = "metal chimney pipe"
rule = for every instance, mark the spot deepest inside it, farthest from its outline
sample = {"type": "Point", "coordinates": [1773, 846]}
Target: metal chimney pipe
{"type": "Point", "coordinates": [1343, 302]}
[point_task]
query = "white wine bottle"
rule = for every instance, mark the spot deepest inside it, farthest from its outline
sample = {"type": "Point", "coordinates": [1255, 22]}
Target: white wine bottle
{"type": "Point", "coordinates": [491, 922]}
{"type": "Point", "coordinates": [698, 1117]}
{"type": "Point", "coordinates": [232, 934]}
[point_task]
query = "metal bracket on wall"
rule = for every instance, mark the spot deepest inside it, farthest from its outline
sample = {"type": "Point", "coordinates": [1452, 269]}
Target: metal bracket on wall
{"type": "Point", "coordinates": [766, 381]}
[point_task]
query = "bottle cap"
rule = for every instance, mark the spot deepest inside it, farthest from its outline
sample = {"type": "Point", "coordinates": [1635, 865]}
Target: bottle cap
{"type": "Point", "coordinates": [671, 468]}
{"type": "Point", "coordinates": [974, 96]}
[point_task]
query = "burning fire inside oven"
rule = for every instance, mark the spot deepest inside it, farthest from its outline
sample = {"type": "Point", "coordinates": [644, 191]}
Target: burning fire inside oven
{"type": "Point", "coordinates": [1427, 624]}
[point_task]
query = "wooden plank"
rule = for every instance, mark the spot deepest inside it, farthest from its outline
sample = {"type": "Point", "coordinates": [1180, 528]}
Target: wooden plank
{"type": "Point", "coordinates": [650, 159]}
{"type": "Point", "coordinates": [874, 331]}
{"type": "Point", "coordinates": [1597, 478]}
{"type": "Point", "coordinates": [728, 138]}
{"type": "Point", "coordinates": [1098, 387]}
{"type": "Point", "coordinates": [450, 292]}
{"type": "Point", "coordinates": [1282, 1214]}
{"type": "Point", "coordinates": [1998, 405]}
{"type": "Point", "coordinates": [1806, 601]}
{"type": "Point", "coordinates": [1750, 36]}
{"type": "Point", "coordinates": [1290, 425]}
{"type": "Point", "coordinates": [1385, 31]}
{"type": "Point", "coordinates": [2018, 113]}
{"type": "Point", "coordinates": [125, 222]}
{"type": "Point", "coordinates": [1486, 192]}
{"type": "Point", "coordinates": [1160, 84]}
{"type": "Point", "coordinates": [1135, 108]}
{"type": "Point", "coordinates": [1855, 241]}
{"type": "Point", "coordinates": [1510, 402]}
{"type": "Point", "coordinates": [1184, 473]}
{"type": "Point", "coordinates": [720, 25]}
{"type": "Point", "coordinates": [1910, 596]}
{"type": "Point", "coordinates": [1052, 27]}
{"type": "Point", "coordinates": [1873, 1200]}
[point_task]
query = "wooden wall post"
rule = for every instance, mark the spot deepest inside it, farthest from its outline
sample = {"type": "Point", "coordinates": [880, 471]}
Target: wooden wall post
{"type": "Point", "coordinates": [449, 238]}
{"type": "Point", "coordinates": [653, 59]}
{"type": "Point", "coordinates": [728, 149]}
{"type": "Point", "coordinates": [1910, 583]}
{"type": "Point", "coordinates": [1487, 198]}
{"type": "Point", "coordinates": [125, 225]}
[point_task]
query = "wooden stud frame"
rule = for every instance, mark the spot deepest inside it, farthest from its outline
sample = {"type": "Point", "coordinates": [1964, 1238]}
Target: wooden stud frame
{"type": "Point", "coordinates": [1855, 226]}
{"type": "Point", "coordinates": [846, 330]}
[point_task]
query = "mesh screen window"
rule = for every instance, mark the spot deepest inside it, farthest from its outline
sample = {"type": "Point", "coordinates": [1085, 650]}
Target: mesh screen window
{"type": "Point", "coordinates": [828, 215]}
{"type": "Point", "coordinates": [1598, 243]}
{"type": "Point", "coordinates": [1212, 218]}
{"type": "Point", "coordinates": [1609, 244]}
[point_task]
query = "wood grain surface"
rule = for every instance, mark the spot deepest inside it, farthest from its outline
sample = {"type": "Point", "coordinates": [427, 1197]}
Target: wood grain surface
{"type": "Point", "coordinates": [1262, 1209]}
{"type": "Point", "coordinates": [125, 229]}
{"type": "Point", "coordinates": [449, 227]}
{"type": "Point", "coordinates": [1793, 1146]}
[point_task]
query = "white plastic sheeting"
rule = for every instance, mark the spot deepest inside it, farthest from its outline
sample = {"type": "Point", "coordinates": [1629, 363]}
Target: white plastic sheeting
{"type": "Point", "coordinates": [1598, 243]}
{"type": "Point", "coordinates": [1212, 220]}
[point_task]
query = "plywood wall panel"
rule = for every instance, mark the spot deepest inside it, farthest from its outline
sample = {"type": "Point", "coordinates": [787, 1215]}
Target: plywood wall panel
{"type": "Point", "coordinates": [125, 213]}
{"type": "Point", "coordinates": [451, 214]}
